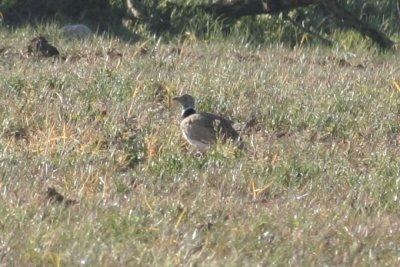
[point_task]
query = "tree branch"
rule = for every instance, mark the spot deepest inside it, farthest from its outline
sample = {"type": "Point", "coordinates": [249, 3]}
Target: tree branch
{"type": "Point", "coordinates": [353, 22]}
{"type": "Point", "coordinates": [236, 9]}
{"type": "Point", "coordinates": [240, 8]}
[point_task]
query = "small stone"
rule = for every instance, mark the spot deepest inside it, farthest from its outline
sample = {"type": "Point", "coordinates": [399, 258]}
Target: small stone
{"type": "Point", "coordinates": [77, 31]}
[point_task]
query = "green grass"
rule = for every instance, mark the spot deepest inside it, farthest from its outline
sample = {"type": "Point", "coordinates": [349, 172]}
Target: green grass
{"type": "Point", "coordinates": [318, 182]}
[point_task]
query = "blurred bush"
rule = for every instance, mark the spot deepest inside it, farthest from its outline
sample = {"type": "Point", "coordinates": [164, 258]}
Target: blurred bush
{"type": "Point", "coordinates": [95, 11]}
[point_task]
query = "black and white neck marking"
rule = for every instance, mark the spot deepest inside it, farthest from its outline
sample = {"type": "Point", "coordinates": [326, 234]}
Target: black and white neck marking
{"type": "Point", "coordinates": [187, 112]}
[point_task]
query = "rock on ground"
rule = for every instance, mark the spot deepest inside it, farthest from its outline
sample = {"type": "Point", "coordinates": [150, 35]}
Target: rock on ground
{"type": "Point", "coordinates": [77, 31]}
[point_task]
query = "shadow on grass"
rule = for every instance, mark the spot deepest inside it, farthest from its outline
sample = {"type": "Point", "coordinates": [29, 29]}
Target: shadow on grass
{"type": "Point", "coordinates": [172, 20]}
{"type": "Point", "coordinates": [100, 16]}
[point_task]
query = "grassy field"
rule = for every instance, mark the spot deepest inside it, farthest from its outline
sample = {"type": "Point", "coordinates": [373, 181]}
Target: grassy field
{"type": "Point", "coordinates": [317, 184]}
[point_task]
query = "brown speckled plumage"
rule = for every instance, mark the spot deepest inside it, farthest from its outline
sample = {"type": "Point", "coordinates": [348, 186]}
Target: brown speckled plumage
{"type": "Point", "coordinates": [203, 129]}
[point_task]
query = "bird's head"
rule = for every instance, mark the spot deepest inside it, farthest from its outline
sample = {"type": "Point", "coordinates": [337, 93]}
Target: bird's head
{"type": "Point", "coordinates": [187, 101]}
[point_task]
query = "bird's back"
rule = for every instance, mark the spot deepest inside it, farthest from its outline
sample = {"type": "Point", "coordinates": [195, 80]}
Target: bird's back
{"type": "Point", "coordinates": [207, 127]}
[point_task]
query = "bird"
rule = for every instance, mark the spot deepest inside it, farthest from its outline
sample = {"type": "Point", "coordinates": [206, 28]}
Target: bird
{"type": "Point", "coordinates": [41, 47]}
{"type": "Point", "coordinates": [202, 130]}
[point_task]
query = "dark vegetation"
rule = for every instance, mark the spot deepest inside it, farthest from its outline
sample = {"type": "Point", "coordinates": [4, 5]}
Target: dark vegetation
{"type": "Point", "coordinates": [372, 18]}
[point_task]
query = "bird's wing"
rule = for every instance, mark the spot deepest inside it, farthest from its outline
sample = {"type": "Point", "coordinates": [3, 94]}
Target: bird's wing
{"type": "Point", "coordinates": [206, 127]}
{"type": "Point", "coordinates": [200, 128]}
{"type": "Point", "coordinates": [223, 126]}
{"type": "Point", "coordinates": [217, 117]}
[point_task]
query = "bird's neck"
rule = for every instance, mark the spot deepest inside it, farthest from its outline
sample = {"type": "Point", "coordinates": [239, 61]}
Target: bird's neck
{"type": "Point", "coordinates": [187, 112]}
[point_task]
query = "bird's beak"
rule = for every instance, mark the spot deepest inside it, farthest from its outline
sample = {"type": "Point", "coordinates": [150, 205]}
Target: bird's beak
{"type": "Point", "coordinates": [176, 98]}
